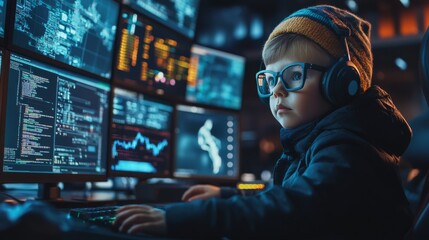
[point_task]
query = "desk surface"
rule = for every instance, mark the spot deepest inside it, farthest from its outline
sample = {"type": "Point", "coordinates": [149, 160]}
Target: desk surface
{"type": "Point", "coordinates": [51, 220]}
{"type": "Point", "coordinates": [74, 198]}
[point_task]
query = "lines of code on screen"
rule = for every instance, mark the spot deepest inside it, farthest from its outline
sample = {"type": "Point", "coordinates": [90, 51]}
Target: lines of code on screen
{"type": "Point", "coordinates": [141, 138]}
{"type": "Point", "coordinates": [56, 122]}
{"type": "Point", "coordinates": [76, 32]}
{"type": "Point", "coordinates": [152, 56]}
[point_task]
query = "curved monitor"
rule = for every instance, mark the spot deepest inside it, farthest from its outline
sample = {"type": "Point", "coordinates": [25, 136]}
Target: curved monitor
{"type": "Point", "coordinates": [206, 144]}
{"type": "Point", "coordinates": [140, 135]}
{"type": "Point", "coordinates": [56, 125]}
{"type": "Point", "coordinates": [216, 78]}
{"type": "Point", "coordinates": [78, 33]}
{"type": "Point", "coordinates": [424, 64]}
{"type": "Point", "coordinates": [151, 57]}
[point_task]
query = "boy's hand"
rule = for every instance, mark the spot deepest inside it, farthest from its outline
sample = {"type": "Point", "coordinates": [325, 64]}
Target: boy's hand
{"type": "Point", "coordinates": [140, 219]}
{"type": "Point", "coordinates": [201, 192]}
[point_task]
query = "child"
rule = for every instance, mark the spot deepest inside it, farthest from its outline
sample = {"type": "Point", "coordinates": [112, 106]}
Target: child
{"type": "Point", "coordinates": [337, 177]}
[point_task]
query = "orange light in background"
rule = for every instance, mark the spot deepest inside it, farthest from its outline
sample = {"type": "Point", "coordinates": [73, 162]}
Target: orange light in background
{"type": "Point", "coordinates": [386, 26]}
{"type": "Point", "coordinates": [267, 146]}
{"type": "Point", "coordinates": [408, 22]}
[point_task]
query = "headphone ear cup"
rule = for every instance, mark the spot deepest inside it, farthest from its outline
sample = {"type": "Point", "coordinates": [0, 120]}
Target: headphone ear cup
{"type": "Point", "coordinates": [341, 83]}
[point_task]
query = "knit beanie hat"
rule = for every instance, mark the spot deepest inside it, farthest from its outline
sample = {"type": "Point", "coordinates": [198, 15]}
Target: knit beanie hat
{"type": "Point", "coordinates": [325, 25]}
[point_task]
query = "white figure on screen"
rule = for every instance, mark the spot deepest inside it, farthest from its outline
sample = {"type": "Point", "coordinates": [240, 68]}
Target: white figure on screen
{"type": "Point", "coordinates": [211, 144]}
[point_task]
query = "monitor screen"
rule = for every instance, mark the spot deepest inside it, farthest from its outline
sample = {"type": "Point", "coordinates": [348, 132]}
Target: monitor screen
{"type": "Point", "coordinates": [78, 33]}
{"type": "Point", "coordinates": [180, 15]}
{"type": "Point", "coordinates": [56, 124]}
{"type": "Point", "coordinates": [216, 79]}
{"type": "Point", "coordinates": [3, 4]}
{"type": "Point", "coordinates": [141, 135]}
{"type": "Point", "coordinates": [206, 144]}
{"type": "Point", "coordinates": [152, 56]}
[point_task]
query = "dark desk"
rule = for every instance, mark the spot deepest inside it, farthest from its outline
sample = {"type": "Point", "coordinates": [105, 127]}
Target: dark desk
{"type": "Point", "coordinates": [49, 219]}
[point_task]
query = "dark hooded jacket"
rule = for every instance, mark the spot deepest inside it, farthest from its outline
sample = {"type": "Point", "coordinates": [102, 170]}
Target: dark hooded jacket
{"type": "Point", "coordinates": [337, 179]}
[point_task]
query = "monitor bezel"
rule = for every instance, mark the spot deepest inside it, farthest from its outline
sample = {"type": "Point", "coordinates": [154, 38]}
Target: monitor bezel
{"type": "Point", "coordinates": [26, 177]}
{"type": "Point", "coordinates": [208, 178]}
{"type": "Point", "coordinates": [140, 175]}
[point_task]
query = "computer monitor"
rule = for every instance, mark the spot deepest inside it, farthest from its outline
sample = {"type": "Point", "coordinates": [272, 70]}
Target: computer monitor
{"type": "Point", "coordinates": [3, 7]}
{"type": "Point", "coordinates": [78, 33]}
{"type": "Point", "coordinates": [151, 57]}
{"type": "Point", "coordinates": [206, 144]}
{"type": "Point", "coordinates": [216, 79]}
{"type": "Point", "coordinates": [56, 125]}
{"type": "Point", "coordinates": [180, 15]}
{"type": "Point", "coordinates": [141, 138]}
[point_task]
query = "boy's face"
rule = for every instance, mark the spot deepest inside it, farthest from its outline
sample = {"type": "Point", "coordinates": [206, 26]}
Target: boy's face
{"type": "Point", "coordinates": [292, 109]}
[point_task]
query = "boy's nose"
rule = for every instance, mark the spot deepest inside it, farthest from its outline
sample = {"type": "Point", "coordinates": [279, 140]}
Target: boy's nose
{"type": "Point", "coordinates": [280, 90]}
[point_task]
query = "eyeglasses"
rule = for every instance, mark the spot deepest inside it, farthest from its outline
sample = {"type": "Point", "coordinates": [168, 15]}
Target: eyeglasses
{"type": "Point", "coordinates": [293, 78]}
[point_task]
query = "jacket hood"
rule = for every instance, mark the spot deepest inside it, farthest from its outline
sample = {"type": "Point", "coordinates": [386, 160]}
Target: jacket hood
{"type": "Point", "coordinates": [374, 117]}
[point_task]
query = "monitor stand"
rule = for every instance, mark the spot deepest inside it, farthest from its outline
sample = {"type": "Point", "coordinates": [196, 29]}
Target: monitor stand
{"type": "Point", "coordinates": [51, 193]}
{"type": "Point", "coordinates": [48, 192]}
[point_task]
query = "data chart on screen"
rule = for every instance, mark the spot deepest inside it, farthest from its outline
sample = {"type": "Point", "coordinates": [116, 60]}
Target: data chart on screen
{"type": "Point", "coordinates": [151, 56]}
{"type": "Point", "coordinates": [140, 135]}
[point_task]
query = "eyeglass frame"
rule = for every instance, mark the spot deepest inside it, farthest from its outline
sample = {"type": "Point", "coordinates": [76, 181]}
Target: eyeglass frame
{"type": "Point", "coordinates": [305, 67]}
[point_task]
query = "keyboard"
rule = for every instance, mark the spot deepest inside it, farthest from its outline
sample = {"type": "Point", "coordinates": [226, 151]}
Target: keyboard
{"type": "Point", "coordinates": [102, 216]}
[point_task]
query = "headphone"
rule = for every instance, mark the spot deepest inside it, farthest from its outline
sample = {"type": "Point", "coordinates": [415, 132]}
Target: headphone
{"type": "Point", "coordinates": [341, 82]}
